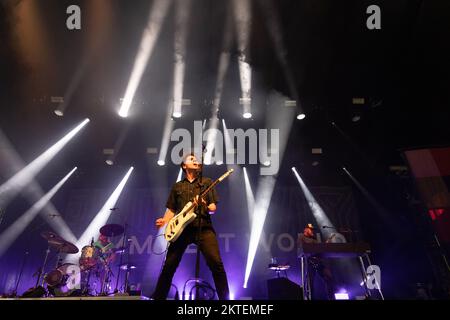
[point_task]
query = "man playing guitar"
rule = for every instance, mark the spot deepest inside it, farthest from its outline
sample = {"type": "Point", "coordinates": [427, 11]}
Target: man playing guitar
{"type": "Point", "coordinates": [182, 192]}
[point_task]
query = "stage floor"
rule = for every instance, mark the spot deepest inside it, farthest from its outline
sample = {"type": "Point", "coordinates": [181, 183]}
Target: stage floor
{"type": "Point", "coordinates": [83, 298]}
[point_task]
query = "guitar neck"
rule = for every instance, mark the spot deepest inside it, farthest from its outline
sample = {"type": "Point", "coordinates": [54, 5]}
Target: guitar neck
{"type": "Point", "coordinates": [205, 192]}
{"type": "Point", "coordinates": [212, 185]}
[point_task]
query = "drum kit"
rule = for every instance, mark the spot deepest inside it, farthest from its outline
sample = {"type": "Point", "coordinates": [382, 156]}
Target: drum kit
{"type": "Point", "coordinates": [96, 259]}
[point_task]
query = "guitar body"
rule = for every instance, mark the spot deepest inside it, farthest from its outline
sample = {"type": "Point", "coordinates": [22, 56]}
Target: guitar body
{"type": "Point", "coordinates": [176, 225]}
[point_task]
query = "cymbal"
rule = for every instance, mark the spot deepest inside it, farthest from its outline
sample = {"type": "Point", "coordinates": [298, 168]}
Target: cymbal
{"type": "Point", "coordinates": [55, 241]}
{"type": "Point", "coordinates": [52, 238]}
{"type": "Point", "coordinates": [68, 247]}
{"type": "Point", "coordinates": [111, 230]}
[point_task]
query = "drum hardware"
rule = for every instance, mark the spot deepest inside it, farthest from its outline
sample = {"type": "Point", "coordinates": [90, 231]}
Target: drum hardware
{"type": "Point", "coordinates": [25, 258]}
{"type": "Point", "coordinates": [124, 248]}
{"type": "Point", "coordinates": [56, 279]}
{"type": "Point", "coordinates": [41, 269]}
{"type": "Point", "coordinates": [106, 279]}
{"type": "Point", "coordinates": [128, 267]}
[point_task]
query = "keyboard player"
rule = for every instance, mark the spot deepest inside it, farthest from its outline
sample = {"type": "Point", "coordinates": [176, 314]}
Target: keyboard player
{"type": "Point", "coordinates": [317, 265]}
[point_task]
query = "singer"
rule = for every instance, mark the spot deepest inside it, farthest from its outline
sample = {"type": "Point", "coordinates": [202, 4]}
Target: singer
{"type": "Point", "coordinates": [182, 192]}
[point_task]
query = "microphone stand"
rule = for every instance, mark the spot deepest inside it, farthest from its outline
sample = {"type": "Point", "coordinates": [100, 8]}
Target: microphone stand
{"type": "Point", "coordinates": [2, 215]}
{"type": "Point", "coordinates": [199, 229]}
{"type": "Point", "coordinates": [25, 258]}
{"type": "Point", "coordinates": [124, 247]}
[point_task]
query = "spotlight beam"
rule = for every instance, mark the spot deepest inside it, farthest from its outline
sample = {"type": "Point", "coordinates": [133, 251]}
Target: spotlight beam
{"type": "Point", "coordinates": [224, 62]}
{"type": "Point", "coordinates": [250, 196]}
{"type": "Point", "coordinates": [150, 35]}
{"type": "Point", "coordinates": [319, 214]}
{"type": "Point", "coordinates": [274, 26]}
{"type": "Point", "coordinates": [174, 109]}
{"type": "Point", "coordinates": [275, 119]}
{"type": "Point", "coordinates": [11, 234]}
{"type": "Point", "coordinates": [383, 213]}
{"type": "Point", "coordinates": [12, 163]}
{"type": "Point", "coordinates": [242, 17]}
{"type": "Point", "coordinates": [16, 183]}
{"type": "Point", "coordinates": [165, 139]}
{"type": "Point", "coordinates": [182, 13]}
{"type": "Point", "coordinates": [103, 214]}
{"type": "Point", "coordinates": [263, 197]}
{"type": "Point", "coordinates": [180, 174]}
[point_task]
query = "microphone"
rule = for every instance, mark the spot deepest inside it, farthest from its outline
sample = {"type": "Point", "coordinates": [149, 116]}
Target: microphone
{"type": "Point", "coordinates": [327, 227]}
{"type": "Point", "coordinates": [115, 208]}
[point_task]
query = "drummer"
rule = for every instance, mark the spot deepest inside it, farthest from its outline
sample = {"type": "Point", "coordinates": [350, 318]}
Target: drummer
{"type": "Point", "coordinates": [106, 248]}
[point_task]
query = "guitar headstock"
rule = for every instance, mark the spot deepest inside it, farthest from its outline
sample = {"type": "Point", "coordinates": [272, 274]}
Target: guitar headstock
{"type": "Point", "coordinates": [226, 174]}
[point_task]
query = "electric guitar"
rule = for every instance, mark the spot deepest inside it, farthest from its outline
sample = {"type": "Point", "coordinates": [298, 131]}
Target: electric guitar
{"type": "Point", "coordinates": [176, 225]}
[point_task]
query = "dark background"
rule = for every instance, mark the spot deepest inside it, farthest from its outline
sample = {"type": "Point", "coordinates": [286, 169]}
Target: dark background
{"type": "Point", "coordinates": [402, 71]}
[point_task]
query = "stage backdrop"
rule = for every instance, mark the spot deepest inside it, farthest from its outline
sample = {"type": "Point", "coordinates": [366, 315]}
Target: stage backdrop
{"type": "Point", "coordinates": [137, 209]}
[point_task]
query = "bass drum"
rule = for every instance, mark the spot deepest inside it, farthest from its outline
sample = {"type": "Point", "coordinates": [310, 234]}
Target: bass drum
{"type": "Point", "coordinates": [64, 281]}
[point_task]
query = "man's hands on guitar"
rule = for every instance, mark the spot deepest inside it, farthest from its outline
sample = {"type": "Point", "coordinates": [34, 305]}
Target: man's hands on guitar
{"type": "Point", "coordinates": [211, 207]}
{"type": "Point", "coordinates": [160, 222]}
{"type": "Point", "coordinates": [202, 202]}
{"type": "Point", "coordinates": [167, 216]}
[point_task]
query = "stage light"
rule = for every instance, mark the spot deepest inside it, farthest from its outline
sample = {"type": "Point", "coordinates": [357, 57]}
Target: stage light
{"type": "Point", "coordinates": [247, 115]}
{"type": "Point", "coordinates": [161, 163]}
{"type": "Point", "coordinates": [356, 118]}
{"type": "Point", "coordinates": [176, 114]}
{"type": "Point", "coordinates": [109, 162]}
{"type": "Point", "coordinates": [157, 14]}
{"type": "Point", "coordinates": [21, 179]}
{"type": "Point", "coordinates": [267, 163]}
{"type": "Point", "coordinates": [341, 296]}
{"type": "Point", "coordinates": [11, 234]}
{"type": "Point", "coordinates": [101, 218]}
{"type": "Point", "coordinates": [301, 116]}
{"type": "Point", "coordinates": [59, 113]}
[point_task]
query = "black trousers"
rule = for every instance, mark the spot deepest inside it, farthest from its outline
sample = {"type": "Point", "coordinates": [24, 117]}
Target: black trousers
{"type": "Point", "coordinates": [208, 246]}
